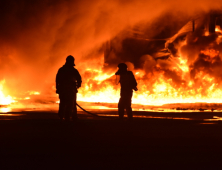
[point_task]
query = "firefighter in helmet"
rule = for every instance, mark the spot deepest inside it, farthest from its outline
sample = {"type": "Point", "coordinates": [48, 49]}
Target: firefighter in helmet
{"type": "Point", "coordinates": [68, 80]}
{"type": "Point", "coordinates": [128, 84]}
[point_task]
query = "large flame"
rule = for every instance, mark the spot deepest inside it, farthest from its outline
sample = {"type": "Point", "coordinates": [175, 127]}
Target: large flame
{"type": "Point", "coordinates": [158, 88]}
{"type": "Point", "coordinates": [185, 81]}
{"type": "Point", "coordinates": [4, 100]}
{"type": "Point", "coordinates": [34, 44]}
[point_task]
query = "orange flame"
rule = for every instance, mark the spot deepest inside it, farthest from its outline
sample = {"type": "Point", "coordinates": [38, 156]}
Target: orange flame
{"type": "Point", "coordinates": [4, 100]}
{"type": "Point", "coordinates": [157, 89]}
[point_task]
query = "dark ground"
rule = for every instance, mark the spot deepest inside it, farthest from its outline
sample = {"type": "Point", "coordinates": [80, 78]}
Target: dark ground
{"type": "Point", "coordinates": [38, 140]}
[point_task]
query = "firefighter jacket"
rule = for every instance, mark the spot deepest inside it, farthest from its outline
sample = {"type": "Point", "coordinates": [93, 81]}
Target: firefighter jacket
{"type": "Point", "coordinates": [68, 79]}
{"type": "Point", "coordinates": [127, 81]}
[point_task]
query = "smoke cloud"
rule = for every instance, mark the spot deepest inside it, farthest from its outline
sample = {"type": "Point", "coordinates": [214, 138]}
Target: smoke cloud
{"type": "Point", "coordinates": [36, 36]}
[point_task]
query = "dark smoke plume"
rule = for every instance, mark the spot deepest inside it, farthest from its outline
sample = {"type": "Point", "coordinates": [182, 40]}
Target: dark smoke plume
{"type": "Point", "coordinates": [36, 36]}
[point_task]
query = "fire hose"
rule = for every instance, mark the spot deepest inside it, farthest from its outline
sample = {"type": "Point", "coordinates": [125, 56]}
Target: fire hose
{"type": "Point", "coordinates": [86, 110]}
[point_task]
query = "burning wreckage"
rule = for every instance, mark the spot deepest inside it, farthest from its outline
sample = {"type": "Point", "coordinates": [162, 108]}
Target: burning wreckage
{"type": "Point", "coordinates": [182, 65]}
{"type": "Point", "coordinates": [182, 68]}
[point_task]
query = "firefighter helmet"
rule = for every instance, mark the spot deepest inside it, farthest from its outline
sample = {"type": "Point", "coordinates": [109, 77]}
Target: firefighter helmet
{"type": "Point", "coordinates": [122, 66]}
{"type": "Point", "coordinates": [70, 60]}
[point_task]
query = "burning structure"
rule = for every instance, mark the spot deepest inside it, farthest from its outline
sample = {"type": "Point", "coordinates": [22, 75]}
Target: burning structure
{"type": "Point", "coordinates": [175, 56]}
{"type": "Point", "coordinates": [183, 68]}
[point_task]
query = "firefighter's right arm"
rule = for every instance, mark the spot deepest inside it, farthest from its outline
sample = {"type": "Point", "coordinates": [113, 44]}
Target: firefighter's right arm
{"type": "Point", "coordinates": [134, 82]}
{"type": "Point", "coordinates": [78, 79]}
{"type": "Point", "coordinates": [58, 81]}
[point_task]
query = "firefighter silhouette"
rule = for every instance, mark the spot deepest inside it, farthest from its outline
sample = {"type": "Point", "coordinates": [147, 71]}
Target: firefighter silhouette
{"type": "Point", "coordinates": [68, 80]}
{"type": "Point", "coordinates": [128, 84]}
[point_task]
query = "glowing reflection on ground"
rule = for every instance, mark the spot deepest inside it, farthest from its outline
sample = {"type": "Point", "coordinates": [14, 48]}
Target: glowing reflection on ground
{"type": "Point", "coordinates": [148, 117]}
{"type": "Point", "coordinates": [215, 118]}
{"type": "Point", "coordinates": [5, 110]}
{"type": "Point", "coordinates": [209, 123]}
{"type": "Point", "coordinates": [174, 110]}
{"type": "Point", "coordinates": [9, 114]}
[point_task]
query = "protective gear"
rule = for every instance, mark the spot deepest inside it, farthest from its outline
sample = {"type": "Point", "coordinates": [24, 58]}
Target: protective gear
{"type": "Point", "coordinates": [70, 60]}
{"type": "Point", "coordinates": [122, 68]}
{"type": "Point", "coordinates": [67, 106]}
{"type": "Point", "coordinates": [68, 80]}
{"type": "Point", "coordinates": [125, 103]}
{"type": "Point", "coordinates": [127, 83]}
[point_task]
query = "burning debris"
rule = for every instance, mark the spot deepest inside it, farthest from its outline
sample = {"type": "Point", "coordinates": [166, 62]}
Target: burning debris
{"type": "Point", "coordinates": [175, 56]}
{"type": "Point", "coordinates": [188, 72]}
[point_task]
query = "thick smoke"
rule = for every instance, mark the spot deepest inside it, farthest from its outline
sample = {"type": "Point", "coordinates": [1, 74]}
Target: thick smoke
{"type": "Point", "coordinates": [36, 36]}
